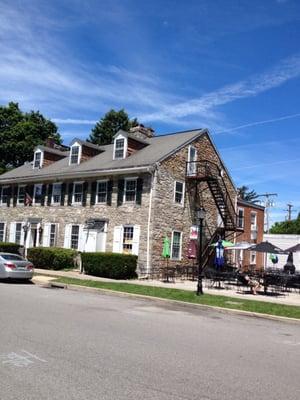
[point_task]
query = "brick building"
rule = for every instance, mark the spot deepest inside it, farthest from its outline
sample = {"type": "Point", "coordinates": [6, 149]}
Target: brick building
{"type": "Point", "coordinates": [122, 197]}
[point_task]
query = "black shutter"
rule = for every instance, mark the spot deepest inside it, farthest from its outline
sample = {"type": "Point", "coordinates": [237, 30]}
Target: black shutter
{"type": "Point", "coordinates": [139, 191]}
{"type": "Point", "coordinates": [15, 195]}
{"type": "Point", "coordinates": [109, 192]}
{"type": "Point", "coordinates": [49, 194]}
{"type": "Point", "coordinates": [44, 188]}
{"type": "Point", "coordinates": [84, 192]}
{"type": "Point", "coordinates": [9, 194]}
{"type": "Point", "coordinates": [93, 193]}
{"type": "Point", "coordinates": [62, 194]}
{"type": "Point", "coordinates": [70, 193]}
{"type": "Point", "coordinates": [120, 191]}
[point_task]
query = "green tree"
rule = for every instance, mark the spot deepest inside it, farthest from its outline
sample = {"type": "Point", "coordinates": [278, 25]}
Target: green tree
{"type": "Point", "coordinates": [109, 125]}
{"type": "Point", "coordinates": [287, 227]}
{"type": "Point", "coordinates": [248, 195]}
{"type": "Point", "coordinates": [20, 132]}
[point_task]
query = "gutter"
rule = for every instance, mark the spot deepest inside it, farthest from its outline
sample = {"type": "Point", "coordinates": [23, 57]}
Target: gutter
{"type": "Point", "coordinates": [74, 175]}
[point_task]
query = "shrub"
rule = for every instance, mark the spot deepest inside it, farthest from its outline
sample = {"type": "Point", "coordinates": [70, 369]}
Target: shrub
{"type": "Point", "coordinates": [10, 247]}
{"type": "Point", "coordinates": [110, 265]}
{"type": "Point", "coordinates": [51, 257]}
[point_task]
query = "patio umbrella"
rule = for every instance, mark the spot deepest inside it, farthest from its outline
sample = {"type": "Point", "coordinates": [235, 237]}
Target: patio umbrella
{"type": "Point", "coordinates": [240, 246]}
{"type": "Point", "coordinates": [166, 248]}
{"type": "Point", "coordinates": [267, 247]}
{"type": "Point", "coordinates": [219, 258]}
{"type": "Point", "coordinates": [225, 243]}
{"type": "Point", "coordinates": [192, 249]}
{"type": "Point", "coordinates": [293, 249]}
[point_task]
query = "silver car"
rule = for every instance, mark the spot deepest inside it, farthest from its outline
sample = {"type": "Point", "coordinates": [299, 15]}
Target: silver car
{"type": "Point", "coordinates": [15, 267]}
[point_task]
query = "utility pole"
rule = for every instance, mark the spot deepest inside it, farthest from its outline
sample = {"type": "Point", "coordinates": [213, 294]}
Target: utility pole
{"type": "Point", "coordinates": [289, 211]}
{"type": "Point", "coordinates": [268, 203]}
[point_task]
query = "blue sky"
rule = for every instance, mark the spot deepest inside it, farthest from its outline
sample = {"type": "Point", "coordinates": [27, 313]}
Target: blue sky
{"type": "Point", "coordinates": [230, 66]}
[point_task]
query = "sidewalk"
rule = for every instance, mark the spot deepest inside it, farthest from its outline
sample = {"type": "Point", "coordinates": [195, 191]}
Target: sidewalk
{"type": "Point", "coordinates": [290, 298]}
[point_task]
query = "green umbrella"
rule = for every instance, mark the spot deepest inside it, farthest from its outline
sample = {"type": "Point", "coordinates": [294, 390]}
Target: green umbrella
{"type": "Point", "coordinates": [225, 243]}
{"type": "Point", "coordinates": [166, 248]}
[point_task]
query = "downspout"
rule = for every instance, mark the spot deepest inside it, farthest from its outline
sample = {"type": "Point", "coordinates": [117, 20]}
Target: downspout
{"type": "Point", "coordinates": [152, 188]}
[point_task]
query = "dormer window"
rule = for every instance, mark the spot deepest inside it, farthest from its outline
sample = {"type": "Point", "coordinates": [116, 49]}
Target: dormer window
{"type": "Point", "coordinates": [74, 156]}
{"type": "Point", "coordinates": [37, 162]}
{"type": "Point", "coordinates": [119, 148]}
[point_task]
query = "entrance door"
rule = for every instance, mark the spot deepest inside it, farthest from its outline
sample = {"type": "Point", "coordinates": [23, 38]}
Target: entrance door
{"type": "Point", "coordinates": [94, 240]}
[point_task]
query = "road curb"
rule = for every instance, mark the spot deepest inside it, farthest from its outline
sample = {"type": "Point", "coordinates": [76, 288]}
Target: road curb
{"type": "Point", "coordinates": [183, 303]}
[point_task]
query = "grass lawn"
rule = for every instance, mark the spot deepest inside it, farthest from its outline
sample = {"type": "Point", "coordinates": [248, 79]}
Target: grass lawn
{"type": "Point", "coordinates": [190, 297]}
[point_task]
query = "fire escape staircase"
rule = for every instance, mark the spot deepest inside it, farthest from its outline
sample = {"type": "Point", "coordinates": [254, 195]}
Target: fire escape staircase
{"type": "Point", "coordinates": [209, 172]}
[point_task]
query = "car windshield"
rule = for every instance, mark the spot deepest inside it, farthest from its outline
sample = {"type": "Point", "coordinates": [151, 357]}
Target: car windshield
{"type": "Point", "coordinates": [12, 257]}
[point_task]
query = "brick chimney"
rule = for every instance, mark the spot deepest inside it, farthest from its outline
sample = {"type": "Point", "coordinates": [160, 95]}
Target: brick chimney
{"type": "Point", "coordinates": [50, 142]}
{"type": "Point", "coordinates": [142, 132]}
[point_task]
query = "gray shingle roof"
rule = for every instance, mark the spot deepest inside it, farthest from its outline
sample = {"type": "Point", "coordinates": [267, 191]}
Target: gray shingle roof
{"type": "Point", "coordinates": [159, 148]}
{"type": "Point", "coordinates": [53, 151]}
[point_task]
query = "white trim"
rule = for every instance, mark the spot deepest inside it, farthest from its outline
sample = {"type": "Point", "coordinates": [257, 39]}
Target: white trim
{"type": "Point", "coordinates": [96, 199]}
{"type": "Point", "coordinates": [41, 159]}
{"type": "Point", "coordinates": [183, 193]}
{"type": "Point", "coordinates": [180, 245]}
{"type": "Point", "coordinates": [133, 178]}
{"type": "Point", "coordinates": [243, 218]}
{"type": "Point", "coordinates": [76, 144]}
{"type": "Point", "coordinates": [73, 194]}
{"type": "Point", "coordinates": [152, 189]}
{"type": "Point", "coordinates": [191, 171]}
{"type": "Point", "coordinates": [120, 136]}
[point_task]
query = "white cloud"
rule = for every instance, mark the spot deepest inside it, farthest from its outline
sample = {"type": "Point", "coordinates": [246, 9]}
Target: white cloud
{"type": "Point", "coordinates": [70, 121]}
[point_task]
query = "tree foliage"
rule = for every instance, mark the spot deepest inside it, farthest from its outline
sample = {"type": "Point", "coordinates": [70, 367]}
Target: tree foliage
{"type": "Point", "coordinates": [287, 227]}
{"type": "Point", "coordinates": [20, 132]}
{"type": "Point", "coordinates": [248, 195]}
{"type": "Point", "coordinates": [109, 125]}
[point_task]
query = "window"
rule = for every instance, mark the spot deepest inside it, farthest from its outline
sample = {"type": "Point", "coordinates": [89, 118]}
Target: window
{"type": "Point", "coordinates": [2, 232]}
{"type": "Point", "coordinates": [101, 191]}
{"type": "Point", "coordinates": [74, 237]}
{"type": "Point", "coordinates": [176, 245]}
{"type": "Point", "coordinates": [253, 221]}
{"type": "Point", "coordinates": [128, 239]}
{"type": "Point", "coordinates": [130, 190]}
{"type": "Point", "coordinates": [192, 158]}
{"type": "Point", "coordinates": [37, 195]}
{"type": "Point", "coordinates": [179, 192]}
{"type": "Point", "coordinates": [21, 194]}
{"type": "Point", "coordinates": [252, 257]}
{"type": "Point", "coordinates": [74, 155]}
{"type": "Point", "coordinates": [240, 218]}
{"type": "Point", "coordinates": [52, 239]}
{"type": "Point", "coordinates": [77, 193]}
{"type": "Point", "coordinates": [119, 148]}
{"type": "Point", "coordinates": [56, 193]}
{"type": "Point", "coordinates": [4, 194]}
{"type": "Point", "coordinates": [37, 159]}
{"type": "Point", "coordinates": [18, 233]}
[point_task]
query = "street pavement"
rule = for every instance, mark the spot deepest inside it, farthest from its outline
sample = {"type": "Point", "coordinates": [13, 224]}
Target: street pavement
{"type": "Point", "coordinates": [63, 344]}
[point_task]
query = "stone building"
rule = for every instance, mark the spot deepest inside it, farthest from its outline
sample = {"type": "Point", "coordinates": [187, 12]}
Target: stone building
{"type": "Point", "coordinates": [123, 197]}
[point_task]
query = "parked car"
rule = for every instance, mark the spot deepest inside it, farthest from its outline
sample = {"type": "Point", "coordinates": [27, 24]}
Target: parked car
{"type": "Point", "coordinates": [15, 267]}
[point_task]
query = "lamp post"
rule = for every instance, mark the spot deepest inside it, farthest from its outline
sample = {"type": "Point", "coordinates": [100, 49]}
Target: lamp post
{"type": "Point", "coordinates": [200, 214]}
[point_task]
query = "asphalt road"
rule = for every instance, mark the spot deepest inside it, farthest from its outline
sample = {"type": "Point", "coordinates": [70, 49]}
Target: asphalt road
{"type": "Point", "coordinates": [61, 344]}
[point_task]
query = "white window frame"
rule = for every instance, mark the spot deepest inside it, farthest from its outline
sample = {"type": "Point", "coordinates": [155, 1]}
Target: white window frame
{"type": "Point", "coordinates": [243, 217]}
{"type": "Point", "coordinates": [34, 192]}
{"type": "Point", "coordinates": [134, 178]}
{"type": "Point", "coordinates": [55, 234]}
{"type": "Point", "coordinates": [253, 253]}
{"type": "Point", "coordinates": [18, 202]}
{"type": "Point", "coordinates": [76, 144]}
{"type": "Point", "coordinates": [52, 194]}
{"type": "Point", "coordinates": [1, 195]}
{"type": "Point", "coordinates": [253, 226]}
{"type": "Point", "coordinates": [181, 203]}
{"type": "Point", "coordinates": [4, 232]}
{"type": "Point", "coordinates": [124, 148]}
{"type": "Point", "coordinates": [15, 241]}
{"type": "Point", "coordinates": [180, 245]}
{"type": "Point", "coordinates": [122, 242]}
{"type": "Point", "coordinates": [192, 171]}
{"type": "Point", "coordinates": [78, 240]}
{"type": "Point", "coordinates": [41, 159]}
{"type": "Point", "coordinates": [73, 193]}
{"type": "Point", "coordinates": [97, 199]}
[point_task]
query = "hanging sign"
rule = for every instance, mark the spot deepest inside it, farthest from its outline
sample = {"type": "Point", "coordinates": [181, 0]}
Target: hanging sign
{"type": "Point", "coordinates": [194, 232]}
